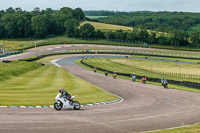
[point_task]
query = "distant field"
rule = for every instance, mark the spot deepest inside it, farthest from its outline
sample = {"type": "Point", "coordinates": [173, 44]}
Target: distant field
{"type": "Point", "coordinates": [102, 26]}
{"type": "Point", "coordinates": [161, 66]}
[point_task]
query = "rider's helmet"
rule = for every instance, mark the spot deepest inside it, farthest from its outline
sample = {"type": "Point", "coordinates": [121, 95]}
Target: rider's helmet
{"type": "Point", "coordinates": [61, 90]}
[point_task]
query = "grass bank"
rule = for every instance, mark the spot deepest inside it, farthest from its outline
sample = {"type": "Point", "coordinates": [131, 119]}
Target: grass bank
{"type": "Point", "coordinates": [39, 87]}
{"type": "Point", "coordinates": [16, 68]}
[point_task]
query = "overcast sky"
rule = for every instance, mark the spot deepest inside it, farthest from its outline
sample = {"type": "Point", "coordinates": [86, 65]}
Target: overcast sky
{"type": "Point", "coordinates": [112, 5]}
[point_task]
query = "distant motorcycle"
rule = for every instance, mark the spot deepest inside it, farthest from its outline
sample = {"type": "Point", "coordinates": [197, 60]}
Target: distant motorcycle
{"type": "Point", "coordinates": [165, 86]}
{"type": "Point", "coordinates": [64, 103]}
{"type": "Point", "coordinates": [114, 76]}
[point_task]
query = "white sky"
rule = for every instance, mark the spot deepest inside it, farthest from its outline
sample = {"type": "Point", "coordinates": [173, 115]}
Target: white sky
{"type": "Point", "coordinates": [112, 5]}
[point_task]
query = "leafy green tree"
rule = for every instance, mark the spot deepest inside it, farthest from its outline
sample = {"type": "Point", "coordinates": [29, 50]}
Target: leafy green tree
{"type": "Point", "coordinates": [40, 26]}
{"type": "Point", "coordinates": [152, 37]}
{"type": "Point", "coordinates": [109, 35]}
{"type": "Point", "coordinates": [66, 13]}
{"type": "Point", "coordinates": [119, 34]}
{"type": "Point", "coordinates": [1, 31]}
{"type": "Point", "coordinates": [87, 31]}
{"type": "Point", "coordinates": [10, 10]}
{"type": "Point", "coordinates": [9, 24]}
{"type": "Point", "coordinates": [79, 14]}
{"type": "Point", "coordinates": [196, 28]}
{"type": "Point", "coordinates": [131, 36]}
{"type": "Point", "coordinates": [99, 34]}
{"type": "Point", "coordinates": [18, 9]}
{"type": "Point", "coordinates": [71, 27]}
{"type": "Point", "coordinates": [177, 38]}
{"type": "Point", "coordinates": [36, 11]}
{"type": "Point", "coordinates": [195, 38]}
{"type": "Point", "coordinates": [61, 17]}
{"type": "Point", "coordinates": [49, 11]}
{"type": "Point", "coordinates": [162, 39]}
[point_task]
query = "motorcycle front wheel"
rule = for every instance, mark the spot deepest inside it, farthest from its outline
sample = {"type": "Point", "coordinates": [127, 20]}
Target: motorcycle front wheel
{"type": "Point", "coordinates": [58, 106]}
{"type": "Point", "coordinates": [76, 105]}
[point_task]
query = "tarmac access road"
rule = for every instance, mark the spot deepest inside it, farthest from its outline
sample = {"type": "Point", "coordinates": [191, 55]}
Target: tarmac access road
{"type": "Point", "coordinates": [145, 107]}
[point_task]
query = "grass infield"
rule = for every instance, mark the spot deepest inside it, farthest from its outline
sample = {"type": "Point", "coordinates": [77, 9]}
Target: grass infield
{"type": "Point", "coordinates": [111, 67]}
{"type": "Point", "coordinates": [148, 68]}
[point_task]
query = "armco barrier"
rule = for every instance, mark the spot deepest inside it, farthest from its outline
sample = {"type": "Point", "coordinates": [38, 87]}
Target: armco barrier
{"type": "Point", "coordinates": [181, 83]}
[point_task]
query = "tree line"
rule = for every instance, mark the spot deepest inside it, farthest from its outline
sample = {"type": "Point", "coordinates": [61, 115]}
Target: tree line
{"type": "Point", "coordinates": [174, 38]}
{"type": "Point", "coordinates": [183, 28]}
{"type": "Point", "coordinates": [160, 21]}
{"type": "Point", "coordinates": [16, 23]}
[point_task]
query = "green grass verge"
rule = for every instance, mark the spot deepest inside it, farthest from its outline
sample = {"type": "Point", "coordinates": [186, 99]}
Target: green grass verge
{"type": "Point", "coordinates": [143, 67]}
{"type": "Point", "coordinates": [40, 86]}
{"type": "Point", "coordinates": [12, 44]}
{"type": "Point", "coordinates": [188, 129]}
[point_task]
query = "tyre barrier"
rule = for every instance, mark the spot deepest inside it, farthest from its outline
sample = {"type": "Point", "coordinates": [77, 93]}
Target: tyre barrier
{"type": "Point", "coordinates": [194, 85]}
{"type": "Point", "coordinates": [7, 61]}
{"type": "Point", "coordinates": [10, 53]}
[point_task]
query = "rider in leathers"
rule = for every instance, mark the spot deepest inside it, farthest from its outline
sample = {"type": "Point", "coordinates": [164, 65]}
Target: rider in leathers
{"type": "Point", "coordinates": [65, 95]}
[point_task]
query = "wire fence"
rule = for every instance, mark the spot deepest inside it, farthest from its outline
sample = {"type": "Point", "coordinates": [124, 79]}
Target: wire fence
{"type": "Point", "coordinates": [181, 75]}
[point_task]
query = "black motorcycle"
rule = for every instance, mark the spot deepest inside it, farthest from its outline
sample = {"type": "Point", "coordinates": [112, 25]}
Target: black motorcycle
{"type": "Point", "coordinates": [165, 86]}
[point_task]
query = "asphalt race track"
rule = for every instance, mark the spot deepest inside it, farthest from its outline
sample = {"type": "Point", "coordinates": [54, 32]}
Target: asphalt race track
{"type": "Point", "coordinates": [145, 107]}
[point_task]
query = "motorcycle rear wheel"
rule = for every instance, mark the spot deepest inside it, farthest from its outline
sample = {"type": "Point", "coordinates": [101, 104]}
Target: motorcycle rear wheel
{"type": "Point", "coordinates": [58, 106]}
{"type": "Point", "coordinates": [76, 105]}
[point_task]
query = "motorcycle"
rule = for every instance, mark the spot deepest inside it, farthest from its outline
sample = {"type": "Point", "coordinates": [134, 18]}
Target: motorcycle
{"type": "Point", "coordinates": [165, 86]}
{"type": "Point", "coordinates": [114, 76]}
{"type": "Point", "coordinates": [64, 103]}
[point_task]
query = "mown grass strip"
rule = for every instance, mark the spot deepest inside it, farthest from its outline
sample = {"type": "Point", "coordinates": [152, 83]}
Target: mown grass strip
{"type": "Point", "coordinates": [16, 68]}
{"type": "Point", "coordinates": [39, 87]}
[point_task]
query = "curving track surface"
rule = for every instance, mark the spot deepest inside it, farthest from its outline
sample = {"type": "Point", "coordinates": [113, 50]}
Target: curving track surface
{"type": "Point", "coordinates": [145, 107]}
